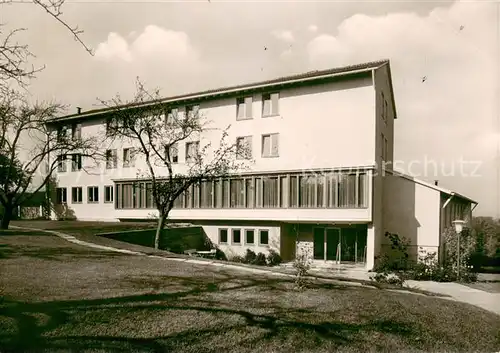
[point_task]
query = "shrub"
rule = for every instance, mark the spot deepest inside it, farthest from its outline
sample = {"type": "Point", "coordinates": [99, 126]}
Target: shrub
{"type": "Point", "coordinates": [260, 260]}
{"type": "Point", "coordinates": [273, 258]}
{"type": "Point", "coordinates": [237, 258]}
{"type": "Point", "coordinates": [302, 265]}
{"type": "Point", "coordinates": [220, 255]}
{"type": "Point", "coordinates": [250, 257]}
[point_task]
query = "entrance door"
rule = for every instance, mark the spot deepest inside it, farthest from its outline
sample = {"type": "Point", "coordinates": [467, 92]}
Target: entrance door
{"type": "Point", "coordinates": [326, 244]}
{"type": "Point", "coordinates": [332, 236]}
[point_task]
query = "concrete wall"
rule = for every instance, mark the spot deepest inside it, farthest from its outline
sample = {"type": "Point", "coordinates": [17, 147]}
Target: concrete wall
{"type": "Point", "coordinates": [412, 211]}
{"type": "Point", "coordinates": [318, 125]}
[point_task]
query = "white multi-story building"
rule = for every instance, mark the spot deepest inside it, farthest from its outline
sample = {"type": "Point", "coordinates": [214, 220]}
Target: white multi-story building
{"type": "Point", "coordinates": [318, 141]}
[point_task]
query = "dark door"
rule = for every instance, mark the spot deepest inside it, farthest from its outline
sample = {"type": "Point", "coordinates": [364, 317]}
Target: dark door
{"type": "Point", "coordinates": [332, 243]}
{"type": "Point", "coordinates": [319, 243]}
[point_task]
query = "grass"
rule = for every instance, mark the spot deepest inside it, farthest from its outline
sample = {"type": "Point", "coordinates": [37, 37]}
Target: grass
{"type": "Point", "coordinates": [59, 296]}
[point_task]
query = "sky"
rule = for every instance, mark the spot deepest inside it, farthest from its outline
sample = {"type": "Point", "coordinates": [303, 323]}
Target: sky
{"type": "Point", "coordinates": [448, 125]}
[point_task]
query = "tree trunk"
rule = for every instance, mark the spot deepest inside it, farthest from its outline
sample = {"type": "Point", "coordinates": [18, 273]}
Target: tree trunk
{"type": "Point", "coordinates": [7, 216]}
{"type": "Point", "coordinates": [161, 224]}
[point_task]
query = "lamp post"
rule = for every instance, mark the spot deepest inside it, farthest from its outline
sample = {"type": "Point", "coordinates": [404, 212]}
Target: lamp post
{"type": "Point", "coordinates": [459, 226]}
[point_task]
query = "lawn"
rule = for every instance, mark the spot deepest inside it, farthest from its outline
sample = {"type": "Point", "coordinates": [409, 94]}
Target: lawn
{"type": "Point", "coordinates": [59, 296]}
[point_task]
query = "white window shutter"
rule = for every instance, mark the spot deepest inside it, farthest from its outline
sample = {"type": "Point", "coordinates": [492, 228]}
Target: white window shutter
{"type": "Point", "coordinates": [248, 107]}
{"type": "Point", "coordinates": [275, 103]}
{"type": "Point", "coordinates": [275, 145]}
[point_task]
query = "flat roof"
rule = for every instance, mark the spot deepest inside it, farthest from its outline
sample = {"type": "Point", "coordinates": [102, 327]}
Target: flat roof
{"type": "Point", "coordinates": [298, 78]}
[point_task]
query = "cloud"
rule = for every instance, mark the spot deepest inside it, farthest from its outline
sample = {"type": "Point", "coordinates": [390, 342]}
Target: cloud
{"type": "Point", "coordinates": [452, 114]}
{"type": "Point", "coordinates": [312, 28]}
{"type": "Point", "coordinates": [286, 36]}
{"type": "Point", "coordinates": [154, 43]}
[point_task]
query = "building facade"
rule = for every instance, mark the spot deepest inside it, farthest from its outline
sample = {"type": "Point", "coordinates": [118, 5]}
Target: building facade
{"type": "Point", "coordinates": [316, 186]}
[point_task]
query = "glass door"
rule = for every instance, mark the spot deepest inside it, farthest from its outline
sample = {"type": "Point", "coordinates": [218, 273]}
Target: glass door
{"type": "Point", "coordinates": [319, 243]}
{"type": "Point", "coordinates": [332, 240]}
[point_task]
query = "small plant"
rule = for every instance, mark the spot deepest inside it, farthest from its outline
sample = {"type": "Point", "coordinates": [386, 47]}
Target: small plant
{"type": "Point", "coordinates": [250, 257]}
{"type": "Point", "coordinates": [260, 260]}
{"type": "Point", "coordinates": [302, 265]}
{"type": "Point", "coordinates": [273, 258]}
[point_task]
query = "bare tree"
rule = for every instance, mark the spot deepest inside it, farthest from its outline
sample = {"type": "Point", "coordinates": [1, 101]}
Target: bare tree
{"type": "Point", "coordinates": [26, 143]}
{"type": "Point", "coordinates": [157, 129]}
{"type": "Point", "coordinates": [14, 57]}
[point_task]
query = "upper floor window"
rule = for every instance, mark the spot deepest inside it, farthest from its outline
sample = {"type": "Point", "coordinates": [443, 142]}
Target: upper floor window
{"type": "Point", "coordinates": [76, 131]}
{"type": "Point", "coordinates": [192, 111]}
{"type": "Point", "coordinates": [172, 153]}
{"type": "Point", "coordinates": [111, 159]}
{"type": "Point", "coordinates": [76, 162]}
{"type": "Point", "coordinates": [61, 163]}
{"type": "Point", "coordinates": [111, 126]}
{"type": "Point", "coordinates": [62, 133]}
{"type": "Point", "coordinates": [93, 194]}
{"type": "Point", "coordinates": [172, 115]}
{"type": "Point", "coordinates": [384, 107]}
{"type": "Point", "coordinates": [76, 194]}
{"type": "Point", "coordinates": [244, 147]}
{"type": "Point", "coordinates": [270, 104]}
{"type": "Point", "coordinates": [192, 150]}
{"type": "Point", "coordinates": [61, 196]}
{"type": "Point", "coordinates": [244, 108]}
{"type": "Point", "coordinates": [270, 145]}
{"type": "Point", "coordinates": [108, 193]}
{"type": "Point", "coordinates": [128, 157]}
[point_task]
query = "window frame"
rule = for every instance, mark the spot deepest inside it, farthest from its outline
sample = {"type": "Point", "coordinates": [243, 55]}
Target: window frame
{"type": "Point", "coordinates": [232, 236]}
{"type": "Point", "coordinates": [250, 149]}
{"type": "Point", "coordinates": [65, 193]}
{"type": "Point", "coordinates": [78, 161]}
{"type": "Point", "coordinates": [271, 145]}
{"type": "Point", "coordinates": [95, 192]}
{"type": "Point", "coordinates": [227, 236]}
{"type": "Point", "coordinates": [77, 188]}
{"type": "Point", "coordinates": [246, 102]}
{"type": "Point", "coordinates": [271, 107]}
{"type": "Point", "coordinates": [246, 236]}
{"type": "Point", "coordinates": [188, 144]}
{"type": "Point", "coordinates": [62, 161]}
{"type": "Point", "coordinates": [109, 187]}
{"type": "Point", "coordinates": [260, 237]}
{"type": "Point", "coordinates": [113, 159]}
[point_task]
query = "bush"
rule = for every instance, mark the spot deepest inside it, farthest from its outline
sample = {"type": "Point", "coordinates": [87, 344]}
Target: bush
{"type": "Point", "coordinates": [260, 260]}
{"type": "Point", "coordinates": [238, 258]}
{"type": "Point", "coordinates": [273, 258]}
{"type": "Point", "coordinates": [302, 265]}
{"type": "Point", "coordinates": [250, 257]}
{"type": "Point", "coordinates": [220, 255]}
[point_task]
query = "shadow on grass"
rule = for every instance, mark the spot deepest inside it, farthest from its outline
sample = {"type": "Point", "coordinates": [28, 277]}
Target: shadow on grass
{"type": "Point", "coordinates": [191, 319]}
{"type": "Point", "coordinates": [19, 232]}
{"type": "Point", "coordinates": [55, 253]}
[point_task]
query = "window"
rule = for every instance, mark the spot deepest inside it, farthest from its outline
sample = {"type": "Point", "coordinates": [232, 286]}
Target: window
{"type": "Point", "coordinates": [76, 195]}
{"type": "Point", "coordinates": [76, 162]}
{"type": "Point", "coordinates": [206, 194]}
{"type": "Point", "coordinates": [76, 131]}
{"type": "Point", "coordinates": [270, 104]}
{"type": "Point", "coordinates": [264, 237]}
{"type": "Point", "coordinates": [384, 107]}
{"type": "Point", "coordinates": [61, 196]}
{"type": "Point", "coordinates": [249, 236]}
{"type": "Point", "coordinates": [172, 115]}
{"type": "Point", "coordinates": [192, 111]}
{"type": "Point", "coordinates": [258, 192]}
{"type": "Point", "coordinates": [270, 145]}
{"type": "Point", "coordinates": [128, 157]}
{"type": "Point", "coordinates": [172, 151]}
{"type": "Point", "coordinates": [236, 236]}
{"type": "Point", "coordinates": [62, 133]}
{"type": "Point", "coordinates": [222, 236]}
{"type": "Point", "coordinates": [108, 193]}
{"type": "Point", "coordinates": [237, 189]}
{"type": "Point", "coordinates": [293, 200]}
{"type": "Point", "coordinates": [92, 194]}
{"type": "Point", "coordinates": [244, 108]}
{"type": "Point", "coordinates": [225, 193]}
{"type": "Point", "coordinates": [244, 147]}
{"type": "Point", "coordinates": [270, 192]}
{"type": "Point", "coordinates": [192, 149]}
{"type": "Point", "coordinates": [111, 159]}
{"type": "Point", "coordinates": [307, 191]}
{"type": "Point", "coordinates": [111, 126]}
{"type": "Point", "coordinates": [249, 193]}
{"type": "Point", "coordinates": [61, 163]}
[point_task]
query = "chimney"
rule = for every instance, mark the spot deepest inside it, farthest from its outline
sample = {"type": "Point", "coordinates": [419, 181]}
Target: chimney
{"type": "Point", "coordinates": [436, 182]}
{"type": "Point", "coordinates": [78, 110]}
